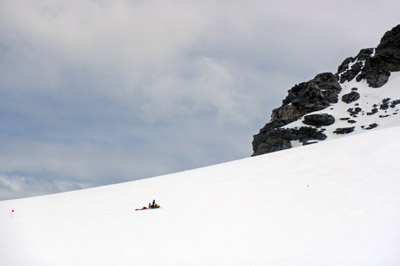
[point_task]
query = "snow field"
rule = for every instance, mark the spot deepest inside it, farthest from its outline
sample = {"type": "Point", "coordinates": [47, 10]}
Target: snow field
{"type": "Point", "coordinates": [335, 203]}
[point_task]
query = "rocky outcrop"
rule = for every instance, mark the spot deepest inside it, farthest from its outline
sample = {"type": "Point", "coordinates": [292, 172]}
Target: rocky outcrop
{"type": "Point", "coordinates": [372, 65]}
{"type": "Point", "coordinates": [304, 98]}
{"type": "Point", "coordinates": [280, 138]}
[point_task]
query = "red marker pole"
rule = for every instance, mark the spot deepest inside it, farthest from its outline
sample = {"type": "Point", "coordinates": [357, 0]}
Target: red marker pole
{"type": "Point", "coordinates": [12, 213]}
{"type": "Point", "coordinates": [308, 187]}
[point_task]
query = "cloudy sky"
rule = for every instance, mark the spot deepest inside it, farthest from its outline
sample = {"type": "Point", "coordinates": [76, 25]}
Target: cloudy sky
{"type": "Point", "coordinates": [95, 92]}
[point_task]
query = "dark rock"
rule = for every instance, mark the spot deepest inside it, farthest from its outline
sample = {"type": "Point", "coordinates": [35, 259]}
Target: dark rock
{"type": "Point", "coordinates": [344, 66]}
{"type": "Point", "coordinates": [280, 138]}
{"type": "Point", "coordinates": [386, 59]}
{"type": "Point", "coordinates": [385, 104]}
{"type": "Point", "coordinates": [345, 118]}
{"type": "Point", "coordinates": [354, 111]}
{"type": "Point", "coordinates": [286, 114]}
{"type": "Point", "coordinates": [373, 111]}
{"type": "Point", "coordinates": [388, 49]}
{"type": "Point", "coordinates": [383, 116]}
{"type": "Point", "coordinates": [371, 126]}
{"type": "Point", "coordinates": [351, 73]}
{"type": "Point", "coordinates": [344, 130]}
{"type": "Point", "coordinates": [373, 67]}
{"type": "Point", "coordinates": [364, 54]}
{"type": "Point", "coordinates": [374, 72]}
{"type": "Point", "coordinates": [354, 89]}
{"type": "Point", "coordinates": [309, 142]}
{"type": "Point", "coordinates": [303, 98]}
{"type": "Point", "coordinates": [314, 95]}
{"type": "Point", "coordinates": [394, 103]}
{"type": "Point", "coordinates": [319, 120]}
{"type": "Point", "coordinates": [351, 97]}
{"type": "Point", "coordinates": [351, 121]}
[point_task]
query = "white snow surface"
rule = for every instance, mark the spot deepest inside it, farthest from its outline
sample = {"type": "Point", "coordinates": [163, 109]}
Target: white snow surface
{"type": "Point", "coordinates": [335, 203]}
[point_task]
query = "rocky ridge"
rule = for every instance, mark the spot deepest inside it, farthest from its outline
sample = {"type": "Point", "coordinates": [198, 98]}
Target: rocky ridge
{"type": "Point", "coordinates": [331, 105]}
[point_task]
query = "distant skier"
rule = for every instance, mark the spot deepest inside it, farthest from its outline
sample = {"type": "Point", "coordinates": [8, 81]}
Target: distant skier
{"type": "Point", "coordinates": [153, 205]}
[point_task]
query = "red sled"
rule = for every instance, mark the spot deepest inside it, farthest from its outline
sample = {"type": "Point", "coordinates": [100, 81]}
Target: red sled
{"type": "Point", "coordinates": [151, 208]}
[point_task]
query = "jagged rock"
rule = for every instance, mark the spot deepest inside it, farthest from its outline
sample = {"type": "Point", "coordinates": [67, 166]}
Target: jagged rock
{"type": "Point", "coordinates": [364, 54]}
{"type": "Point", "coordinates": [371, 126]}
{"type": "Point", "coordinates": [373, 67]}
{"type": "Point", "coordinates": [280, 138]}
{"type": "Point", "coordinates": [354, 111]}
{"type": "Point", "coordinates": [373, 111]}
{"type": "Point", "coordinates": [394, 103]}
{"type": "Point", "coordinates": [388, 49]}
{"type": "Point", "coordinates": [303, 98]}
{"type": "Point", "coordinates": [344, 130]}
{"type": "Point", "coordinates": [286, 114]}
{"type": "Point", "coordinates": [319, 120]}
{"type": "Point", "coordinates": [307, 97]}
{"type": "Point", "coordinates": [351, 73]}
{"type": "Point", "coordinates": [385, 104]}
{"type": "Point", "coordinates": [374, 72]}
{"type": "Point", "coordinates": [344, 66]}
{"type": "Point", "coordinates": [351, 97]}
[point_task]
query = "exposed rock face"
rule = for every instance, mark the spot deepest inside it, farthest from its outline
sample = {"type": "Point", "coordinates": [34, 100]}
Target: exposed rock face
{"type": "Point", "coordinates": [304, 98]}
{"type": "Point", "coordinates": [372, 65]}
{"type": "Point", "coordinates": [280, 138]}
{"type": "Point", "coordinates": [374, 68]}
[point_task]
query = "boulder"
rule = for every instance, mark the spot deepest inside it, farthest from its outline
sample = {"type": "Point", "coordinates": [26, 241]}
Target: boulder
{"type": "Point", "coordinates": [344, 130]}
{"type": "Point", "coordinates": [319, 120]}
{"type": "Point", "coordinates": [351, 97]}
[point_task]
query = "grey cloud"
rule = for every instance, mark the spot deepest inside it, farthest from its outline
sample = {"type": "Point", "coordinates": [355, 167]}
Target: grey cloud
{"type": "Point", "coordinates": [21, 186]}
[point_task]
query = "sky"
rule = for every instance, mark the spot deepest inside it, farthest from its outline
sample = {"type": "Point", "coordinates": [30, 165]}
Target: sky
{"type": "Point", "coordinates": [102, 92]}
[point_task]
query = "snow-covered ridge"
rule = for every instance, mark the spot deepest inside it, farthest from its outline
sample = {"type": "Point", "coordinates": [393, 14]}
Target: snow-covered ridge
{"type": "Point", "coordinates": [336, 203]}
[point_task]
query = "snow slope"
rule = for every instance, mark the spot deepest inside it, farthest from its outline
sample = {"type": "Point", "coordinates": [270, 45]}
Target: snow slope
{"type": "Point", "coordinates": [335, 203]}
